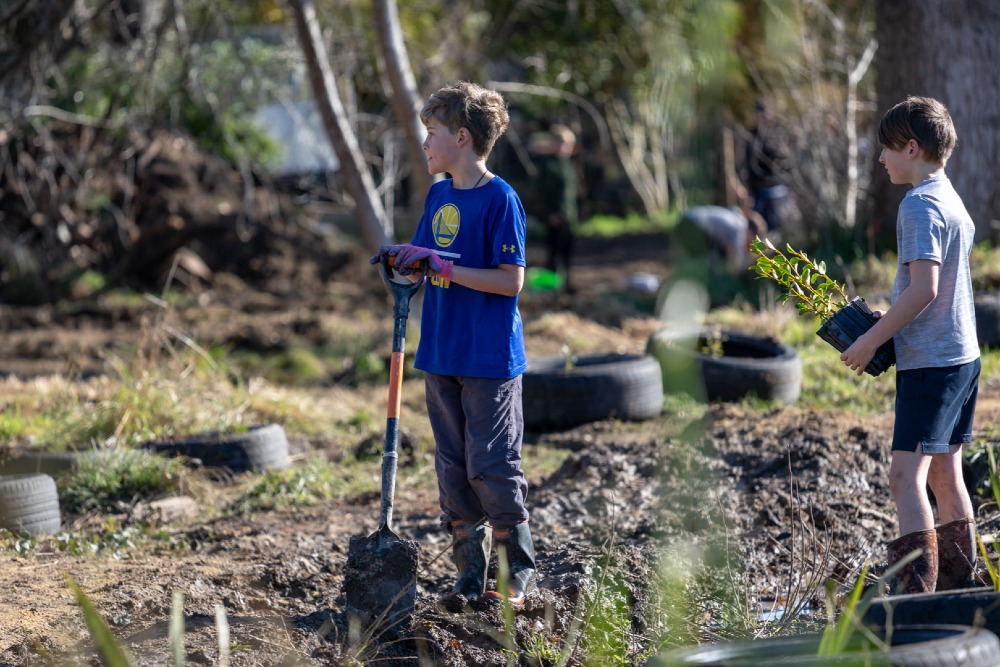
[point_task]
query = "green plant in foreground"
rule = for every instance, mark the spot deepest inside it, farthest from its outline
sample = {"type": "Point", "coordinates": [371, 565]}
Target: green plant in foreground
{"type": "Point", "coordinates": [112, 653]}
{"type": "Point", "coordinates": [991, 567]}
{"type": "Point", "coordinates": [802, 279]}
{"type": "Point", "coordinates": [839, 634]}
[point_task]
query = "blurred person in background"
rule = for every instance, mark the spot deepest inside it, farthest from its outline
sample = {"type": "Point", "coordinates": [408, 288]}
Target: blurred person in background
{"type": "Point", "coordinates": [558, 190]}
{"type": "Point", "coordinates": [766, 170]}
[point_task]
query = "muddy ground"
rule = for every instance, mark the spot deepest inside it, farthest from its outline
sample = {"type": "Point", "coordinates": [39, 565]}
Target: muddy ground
{"type": "Point", "coordinates": [770, 502]}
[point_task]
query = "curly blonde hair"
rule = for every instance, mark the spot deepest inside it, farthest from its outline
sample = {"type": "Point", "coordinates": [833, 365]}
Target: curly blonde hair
{"type": "Point", "coordinates": [483, 112]}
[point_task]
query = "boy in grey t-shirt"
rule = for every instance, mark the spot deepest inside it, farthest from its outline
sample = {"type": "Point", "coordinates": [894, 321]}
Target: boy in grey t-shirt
{"type": "Point", "coordinates": [933, 326]}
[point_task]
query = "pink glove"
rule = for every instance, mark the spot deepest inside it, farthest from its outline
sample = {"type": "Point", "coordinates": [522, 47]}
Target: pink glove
{"type": "Point", "coordinates": [412, 254]}
{"type": "Point", "coordinates": [390, 250]}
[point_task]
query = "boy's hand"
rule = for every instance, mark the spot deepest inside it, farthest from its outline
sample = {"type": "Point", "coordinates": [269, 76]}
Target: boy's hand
{"type": "Point", "coordinates": [408, 255]}
{"type": "Point", "coordinates": [390, 250]}
{"type": "Point", "coordinates": [857, 356]}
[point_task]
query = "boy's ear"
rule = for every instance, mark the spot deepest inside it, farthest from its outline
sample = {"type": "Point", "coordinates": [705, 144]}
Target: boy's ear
{"type": "Point", "coordinates": [912, 148]}
{"type": "Point", "coordinates": [463, 135]}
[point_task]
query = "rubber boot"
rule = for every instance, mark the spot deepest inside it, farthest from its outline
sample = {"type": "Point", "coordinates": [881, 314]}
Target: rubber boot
{"type": "Point", "coordinates": [520, 552]}
{"type": "Point", "coordinates": [957, 555]}
{"type": "Point", "coordinates": [919, 575]}
{"type": "Point", "coordinates": [471, 552]}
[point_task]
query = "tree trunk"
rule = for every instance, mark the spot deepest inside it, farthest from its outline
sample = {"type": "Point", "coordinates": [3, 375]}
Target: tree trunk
{"type": "Point", "coordinates": [405, 99]}
{"type": "Point", "coordinates": [946, 50]}
{"type": "Point", "coordinates": [356, 177]}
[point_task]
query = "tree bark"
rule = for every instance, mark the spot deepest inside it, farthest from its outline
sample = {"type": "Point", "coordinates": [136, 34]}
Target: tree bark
{"type": "Point", "coordinates": [405, 99]}
{"type": "Point", "coordinates": [353, 169]}
{"type": "Point", "coordinates": [946, 50]}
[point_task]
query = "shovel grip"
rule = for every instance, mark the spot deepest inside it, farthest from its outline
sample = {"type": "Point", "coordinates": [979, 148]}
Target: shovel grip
{"type": "Point", "coordinates": [390, 456]}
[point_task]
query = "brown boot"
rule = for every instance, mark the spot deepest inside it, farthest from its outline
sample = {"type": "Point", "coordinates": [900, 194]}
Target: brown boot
{"type": "Point", "coordinates": [957, 555]}
{"type": "Point", "coordinates": [919, 575]}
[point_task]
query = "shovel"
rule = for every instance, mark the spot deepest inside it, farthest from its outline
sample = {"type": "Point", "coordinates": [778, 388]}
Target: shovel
{"type": "Point", "coordinates": [380, 580]}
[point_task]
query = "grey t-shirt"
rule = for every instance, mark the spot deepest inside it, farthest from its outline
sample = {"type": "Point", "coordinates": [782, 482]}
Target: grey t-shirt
{"type": "Point", "coordinates": [933, 224]}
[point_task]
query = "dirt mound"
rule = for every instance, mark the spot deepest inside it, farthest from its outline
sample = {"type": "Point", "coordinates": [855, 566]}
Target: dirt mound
{"type": "Point", "coordinates": [142, 210]}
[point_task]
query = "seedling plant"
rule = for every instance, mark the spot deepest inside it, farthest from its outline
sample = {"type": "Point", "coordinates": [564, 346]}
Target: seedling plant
{"type": "Point", "coordinates": [805, 282]}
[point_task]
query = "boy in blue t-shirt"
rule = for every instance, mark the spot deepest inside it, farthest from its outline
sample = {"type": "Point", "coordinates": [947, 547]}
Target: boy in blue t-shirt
{"type": "Point", "coordinates": [932, 322]}
{"type": "Point", "coordinates": [472, 234]}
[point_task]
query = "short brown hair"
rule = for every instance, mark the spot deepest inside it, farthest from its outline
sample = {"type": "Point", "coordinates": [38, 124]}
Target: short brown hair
{"type": "Point", "coordinates": [483, 112]}
{"type": "Point", "coordinates": [923, 119]}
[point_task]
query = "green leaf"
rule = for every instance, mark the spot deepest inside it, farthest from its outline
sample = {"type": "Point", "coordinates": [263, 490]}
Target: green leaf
{"type": "Point", "coordinates": [112, 653]}
{"type": "Point", "coordinates": [991, 569]}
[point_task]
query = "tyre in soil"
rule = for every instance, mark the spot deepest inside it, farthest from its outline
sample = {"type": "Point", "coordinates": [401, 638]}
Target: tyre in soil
{"type": "Point", "coordinates": [50, 463]}
{"type": "Point", "coordinates": [29, 503]}
{"type": "Point", "coordinates": [259, 448]}
{"type": "Point", "coordinates": [718, 366]}
{"type": "Point", "coordinates": [988, 319]}
{"type": "Point", "coordinates": [590, 388]}
{"type": "Point", "coordinates": [979, 606]}
{"type": "Point", "coordinates": [910, 646]}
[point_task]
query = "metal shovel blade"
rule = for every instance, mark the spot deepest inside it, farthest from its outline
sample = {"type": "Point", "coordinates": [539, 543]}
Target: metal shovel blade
{"type": "Point", "coordinates": [380, 580]}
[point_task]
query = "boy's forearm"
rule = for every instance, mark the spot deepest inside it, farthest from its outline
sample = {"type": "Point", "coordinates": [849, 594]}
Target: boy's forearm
{"type": "Point", "coordinates": [912, 301]}
{"type": "Point", "coordinates": [908, 306]}
{"type": "Point", "coordinates": [506, 279]}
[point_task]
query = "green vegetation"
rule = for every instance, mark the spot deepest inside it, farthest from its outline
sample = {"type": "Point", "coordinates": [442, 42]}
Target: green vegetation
{"type": "Point", "coordinates": [305, 484]}
{"type": "Point", "coordinates": [111, 479]}
{"type": "Point", "coordinates": [609, 226]}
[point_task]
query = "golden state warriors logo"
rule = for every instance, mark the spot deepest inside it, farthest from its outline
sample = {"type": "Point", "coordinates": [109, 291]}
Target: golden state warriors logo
{"type": "Point", "coordinates": [445, 225]}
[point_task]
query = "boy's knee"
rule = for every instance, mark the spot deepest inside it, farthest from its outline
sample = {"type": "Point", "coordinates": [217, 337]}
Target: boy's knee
{"type": "Point", "coordinates": [945, 483]}
{"type": "Point", "coordinates": [901, 486]}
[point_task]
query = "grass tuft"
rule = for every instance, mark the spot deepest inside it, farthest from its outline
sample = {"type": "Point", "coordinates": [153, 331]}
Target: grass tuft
{"type": "Point", "coordinates": [315, 481]}
{"type": "Point", "coordinates": [107, 480]}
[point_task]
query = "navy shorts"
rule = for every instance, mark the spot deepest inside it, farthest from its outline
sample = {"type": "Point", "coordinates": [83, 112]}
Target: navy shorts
{"type": "Point", "coordinates": [935, 407]}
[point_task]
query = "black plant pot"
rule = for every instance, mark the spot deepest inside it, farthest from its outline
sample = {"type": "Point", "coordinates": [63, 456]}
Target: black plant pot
{"type": "Point", "coordinates": [847, 324]}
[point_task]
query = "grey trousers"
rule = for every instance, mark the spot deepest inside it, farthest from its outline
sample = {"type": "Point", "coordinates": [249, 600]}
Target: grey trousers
{"type": "Point", "coordinates": [478, 426]}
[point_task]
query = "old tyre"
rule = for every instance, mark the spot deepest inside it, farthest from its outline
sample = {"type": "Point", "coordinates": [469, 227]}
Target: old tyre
{"type": "Point", "coordinates": [30, 503]}
{"type": "Point", "coordinates": [594, 387]}
{"type": "Point", "coordinates": [723, 365]}
{"type": "Point", "coordinates": [917, 646]}
{"type": "Point", "coordinates": [988, 319]}
{"type": "Point", "coordinates": [962, 607]}
{"type": "Point", "coordinates": [259, 448]}
{"type": "Point", "coordinates": [50, 463]}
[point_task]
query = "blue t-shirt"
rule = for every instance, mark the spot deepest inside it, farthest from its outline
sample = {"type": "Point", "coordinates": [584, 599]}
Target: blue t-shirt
{"type": "Point", "coordinates": [465, 332]}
